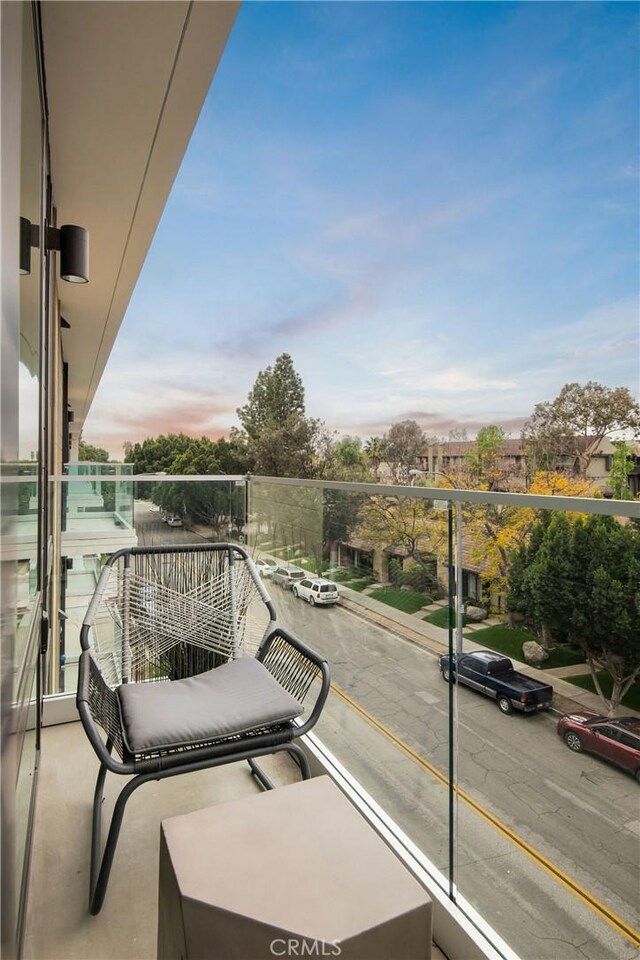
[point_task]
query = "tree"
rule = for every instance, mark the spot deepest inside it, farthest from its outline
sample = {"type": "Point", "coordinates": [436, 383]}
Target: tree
{"type": "Point", "coordinates": [288, 451]}
{"type": "Point", "coordinates": [158, 454]}
{"type": "Point", "coordinates": [345, 459]}
{"type": "Point", "coordinates": [404, 444]}
{"type": "Point", "coordinates": [205, 456]}
{"type": "Point", "coordinates": [376, 450]}
{"type": "Point", "coordinates": [580, 579]}
{"type": "Point", "coordinates": [486, 464]}
{"type": "Point", "coordinates": [340, 515]}
{"type": "Point", "coordinates": [86, 451]}
{"type": "Point", "coordinates": [622, 465]}
{"type": "Point", "coordinates": [548, 580]}
{"type": "Point", "coordinates": [405, 522]}
{"type": "Point", "coordinates": [276, 397]}
{"type": "Point", "coordinates": [574, 424]}
{"type": "Point", "coordinates": [493, 532]}
{"type": "Point", "coordinates": [281, 440]}
{"type": "Point", "coordinates": [606, 615]}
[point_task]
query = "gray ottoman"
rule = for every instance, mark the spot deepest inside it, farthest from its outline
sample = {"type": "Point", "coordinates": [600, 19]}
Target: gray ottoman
{"type": "Point", "coordinates": [291, 872]}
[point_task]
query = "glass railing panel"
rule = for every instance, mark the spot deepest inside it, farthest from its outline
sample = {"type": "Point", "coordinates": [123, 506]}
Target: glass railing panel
{"type": "Point", "coordinates": [92, 491]}
{"type": "Point", "coordinates": [492, 796]}
{"type": "Point", "coordinates": [103, 511]}
{"type": "Point", "coordinates": [387, 718]}
{"type": "Point", "coordinates": [25, 744]}
{"type": "Point", "coordinates": [20, 546]}
{"type": "Point", "coordinates": [541, 823]}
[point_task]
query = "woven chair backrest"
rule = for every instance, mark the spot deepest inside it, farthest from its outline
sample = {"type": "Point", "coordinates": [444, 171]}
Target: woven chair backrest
{"type": "Point", "coordinates": [164, 616]}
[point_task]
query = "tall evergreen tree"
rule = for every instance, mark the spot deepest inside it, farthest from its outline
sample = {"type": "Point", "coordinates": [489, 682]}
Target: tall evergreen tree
{"type": "Point", "coordinates": [282, 441]}
{"type": "Point", "coordinates": [549, 581]}
{"type": "Point", "coordinates": [276, 397]}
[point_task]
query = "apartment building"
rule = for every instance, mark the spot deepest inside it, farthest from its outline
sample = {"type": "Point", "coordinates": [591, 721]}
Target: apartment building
{"type": "Point", "coordinates": [452, 457]}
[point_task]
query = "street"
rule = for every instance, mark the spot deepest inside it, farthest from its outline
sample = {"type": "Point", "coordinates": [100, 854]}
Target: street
{"type": "Point", "coordinates": [534, 822]}
{"type": "Point", "coordinates": [579, 813]}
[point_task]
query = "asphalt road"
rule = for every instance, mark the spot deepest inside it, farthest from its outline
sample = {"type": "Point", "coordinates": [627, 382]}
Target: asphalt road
{"type": "Point", "coordinates": [581, 815]}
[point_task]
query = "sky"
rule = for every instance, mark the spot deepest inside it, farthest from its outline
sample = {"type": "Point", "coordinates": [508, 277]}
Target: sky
{"type": "Point", "coordinates": [433, 207]}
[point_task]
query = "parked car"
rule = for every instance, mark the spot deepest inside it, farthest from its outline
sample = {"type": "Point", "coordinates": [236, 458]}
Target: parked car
{"type": "Point", "coordinates": [617, 739]}
{"type": "Point", "coordinates": [266, 566]}
{"type": "Point", "coordinates": [494, 676]}
{"type": "Point", "coordinates": [174, 521]}
{"type": "Point", "coordinates": [287, 576]}
{"type": "Point", "coordinates": [316, 591]}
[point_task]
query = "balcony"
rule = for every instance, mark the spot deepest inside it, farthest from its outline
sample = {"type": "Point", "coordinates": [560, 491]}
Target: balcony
{"type": "Point", "coordinates": [526, 848]}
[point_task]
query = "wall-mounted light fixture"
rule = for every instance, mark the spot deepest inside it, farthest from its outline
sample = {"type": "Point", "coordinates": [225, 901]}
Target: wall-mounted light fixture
{"type": "Point", "coordinates": [29, 237]}
{"type": "Point", "coordinates": [71, 241]}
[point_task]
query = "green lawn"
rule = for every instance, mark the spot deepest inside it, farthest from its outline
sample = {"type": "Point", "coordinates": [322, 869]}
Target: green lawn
{"type": "Point", "coordinates": [405, 600]}
{"type": "Point", "coordinates": [509, 640]}
{"type": "Point", "coordinates": [563, 657]}
{"type": "Point", "coordinates": [358, 585]}
{"type": "Point", "coordinates": [440, 617]}
{"type": "Point", "coordinates": [631, 699]}
{"type": "Point", "coordinates": [309, 563]}
{"type": "Point", "coordinates": [346, 574]}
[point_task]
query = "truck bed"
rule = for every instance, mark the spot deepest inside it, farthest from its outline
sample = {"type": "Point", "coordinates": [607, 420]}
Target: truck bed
{"type": "Point", "coordinates": [518, 681]}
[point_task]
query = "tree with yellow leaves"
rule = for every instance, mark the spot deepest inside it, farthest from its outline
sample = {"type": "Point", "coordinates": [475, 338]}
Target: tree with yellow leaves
{"type": "Point", "coordinates": [492, 533]}
{"type": "Point", "coordinates": [406, 523]}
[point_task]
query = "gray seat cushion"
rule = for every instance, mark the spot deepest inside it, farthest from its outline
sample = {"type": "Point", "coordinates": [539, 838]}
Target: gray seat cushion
{"type": "Point", "coordinates": [232, 699]}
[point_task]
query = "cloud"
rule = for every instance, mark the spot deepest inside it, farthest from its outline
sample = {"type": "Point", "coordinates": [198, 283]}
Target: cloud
{"type": "Point", "coordinates": [603, 344]}
{"type": "Point", "coordinates": [143, 396]}
{"type": "Point", "coordinates": [433, 424]}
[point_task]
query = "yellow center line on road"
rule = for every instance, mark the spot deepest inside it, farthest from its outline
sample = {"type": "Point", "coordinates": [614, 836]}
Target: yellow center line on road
{"type": "Point", "coordinates": [618, 924]}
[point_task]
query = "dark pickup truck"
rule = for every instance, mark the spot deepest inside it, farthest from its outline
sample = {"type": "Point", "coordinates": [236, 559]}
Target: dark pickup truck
{"type": "Point", "coordinates": [493, 675]}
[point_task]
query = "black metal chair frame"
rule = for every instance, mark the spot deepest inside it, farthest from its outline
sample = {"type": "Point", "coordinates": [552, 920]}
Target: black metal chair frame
{"type": "Point", "coordinates": [277, 649]}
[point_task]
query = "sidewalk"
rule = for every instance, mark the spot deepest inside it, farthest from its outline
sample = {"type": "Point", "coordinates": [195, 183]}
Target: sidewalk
{"type": "Point", "coordinates": [567, 698]}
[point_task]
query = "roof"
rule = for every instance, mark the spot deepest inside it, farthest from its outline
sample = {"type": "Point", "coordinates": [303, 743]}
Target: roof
{"type": "Point", "coordinates": [512, 447]}
{"type": "Point", "coordinates": [460, 448]}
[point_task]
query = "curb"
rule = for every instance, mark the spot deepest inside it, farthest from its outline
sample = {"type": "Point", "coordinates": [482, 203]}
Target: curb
{"type": "Point", "coordinates": [563, 692]}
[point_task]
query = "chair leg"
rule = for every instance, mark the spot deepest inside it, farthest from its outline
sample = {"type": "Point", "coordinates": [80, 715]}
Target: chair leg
{"type": "Point", "coordinates": [297, 754]}
{"type": "Point", "coordinates": [100, 874]}
{"type": "Point", "coordinates": [96, 830]}
{"type": "Point", "coordinates": [100, 878]}
{"type": "Point", "coordinates": [301, 758]}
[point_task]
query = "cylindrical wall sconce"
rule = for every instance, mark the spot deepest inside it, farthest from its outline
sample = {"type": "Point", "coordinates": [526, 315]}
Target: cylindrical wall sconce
{"type": "Point", "coordinates": [74, 254]}
{"type": "Point", "coordinates": [70, 240]}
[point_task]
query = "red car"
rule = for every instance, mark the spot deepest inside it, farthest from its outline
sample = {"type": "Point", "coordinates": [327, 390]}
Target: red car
{"type": "Point", "coordinates": [617, 739]}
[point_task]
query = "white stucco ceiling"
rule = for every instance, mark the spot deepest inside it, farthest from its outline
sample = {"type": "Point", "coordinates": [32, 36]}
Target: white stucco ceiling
{"type": "Point", "coordinates": [125, 85]}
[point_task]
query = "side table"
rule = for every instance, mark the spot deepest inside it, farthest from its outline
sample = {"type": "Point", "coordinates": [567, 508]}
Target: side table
{"type": "Point", "coordinates": [294, 871]}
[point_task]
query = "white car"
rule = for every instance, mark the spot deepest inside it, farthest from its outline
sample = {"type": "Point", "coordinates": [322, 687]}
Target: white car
{"type": "Point", "coordinates": [286, 576]}
{"type": "Point", "coordinates": [266, 566]}
{"type": "Point", "coordinates": [174, 522]}
{"type": "Point", "coordinates": [317, 591]}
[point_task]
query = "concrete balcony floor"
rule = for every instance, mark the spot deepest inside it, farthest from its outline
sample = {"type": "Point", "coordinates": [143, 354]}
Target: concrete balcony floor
{"type": "Point", "coordinates": [58, 924]}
